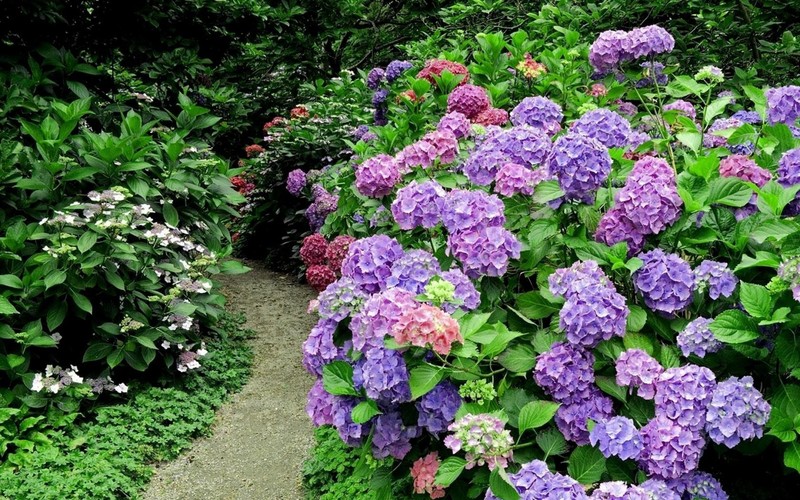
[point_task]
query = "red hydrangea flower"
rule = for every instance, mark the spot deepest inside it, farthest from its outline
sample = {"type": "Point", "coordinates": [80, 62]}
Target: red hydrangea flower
{"type": "Point", "coordinates": [313, 250]}
{"type": "Point", "coordinates": [253, 150]}
{"type": "Point", "coordinates": [274, 122]}
{"type": "Point", "coordinates": [437, 66]}
{"type": "Point", "coordinates": [298, 112]}
{"type": "Point", "coordinates": [319, 277]}
{"type": "Point", "coordinates": [337, 251]}
{"type": "Point", "coordinates": [491, 116]}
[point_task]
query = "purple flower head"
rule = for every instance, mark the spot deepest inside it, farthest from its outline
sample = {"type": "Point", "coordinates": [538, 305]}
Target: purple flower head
{"type": "Point", "coordinates": [609, 128]}
{"type": "Point", "coordinates": [413, 271]}
{"type": "Point", "coordinates": [465, 293]}
{"type": "Point", "coordinates": [615, 226]}
{"type": "Point", "coordinates": [649, 41]}
{"type": "Point", "coordinates": [391, 438]}
{"type": "Point", "coordinates": [438, 408]}
{"type": "Point", "coordinates": [609, 50]}
{"type": "Point", "coordinates": [350, 432]}
{"type": "Point", "coordinates": [720, 281]}
{"type": "Point", "coordinates": [340, 299]}
{"type": "Point", "coordinates": [566, 372]}
{"type": "Point", "coordinates": [580, 164]}
{"type": "Point", "coordinates": [637, 138]}
{"type": "Point", "coordinates": [395, 69]}
{"type": "Point", "coordinates": [359, 132]}
{"type": "Point", "coordinates": [418, 205]}
{"type": "Point", "coordinates": [483, 438]}
{"type": "Point", "coordinates": [377, 317]}
{"type": "Point", "coordinates": [783, 105]}
{"type": "Point", "coordinates": [417, 154]}
{"type": "Point", "coordinates": [379, 116]}
{"type": "Point", "coordinates": [684, 107]}
{"type": "Point", "coordinates": [377, 176]}
{"type": "Point", "coordinates": [696, 338]}
{"type": "Point", "coordinates": [737, 412]}
{"type": "Point", "coordinates": [320, 405]}
{"type": "Point", "coordinates": [744, 168]}
{"type": "Point", "coordinates": [665, 281]}
{"type": "Point", "coordinates": [369, 261]}
{"type": "Point", "coordinates": [513, 178]}
{"type": "Point", "coordinates": [385, 376]}
{"type": "Point", "coordinates": [571, 419]}
{"type": "Point", "coordinates": [323, 205]}
{"type": "Point", "coordinates": [669, 451]}
{"type": "Point", "coordinates": [617, 436]}
{"type": "Point", "coordinates": [484, 251]}
{"type": "Point", "coordinates": [699, 485]}
{"type": "Point", "coordinates": [683, 393]}
{"type": "Point", "coordinates": [522, 145]}
{"type": "Point", "coordinates": [482, 166]}
{"type": "Point", "coordinates": [375, 77]}
{"type": "Point", "coordinates": [712, 140]}
{"type": "Point", "coordinates": [540, 113]}
{"type": "Point", "coordinates": [535, 481]}
{"type": "Point", "coordinates": [463, 210]}
{"type": "Point", "coordinates": [618, 490]}
{"type": "Point", "coordinates": [627, 108]}
{"type": "Point", "coordinates": [296, 181]}
{"type": "Point", "coordinates": [319, 349]}
{"type": "Point", "coordinates": [468, 100]}
{"type": "Point", "coordinates": [744, 116]}
{"type": "Point", "coordinates": [636, 368]}
{"type": "Point", "coordinates": [445, 143]}
{"type": "Point", "coordinates": [659, 490]}
{"type": "Point", "coordinates": [789, 175]}
{"type": "Point", "coordinates": [456, 123]}
{"type": "Point", "coordinates": [379, 98]}
{"type": "Point", "coordinates": [595, 313]}
{"type": "Point", "coordinates": [729, 94]}
{"type": "Point", "coordinates": [653, 72]}
{"type": "Point", "coordinates": [567, 282]}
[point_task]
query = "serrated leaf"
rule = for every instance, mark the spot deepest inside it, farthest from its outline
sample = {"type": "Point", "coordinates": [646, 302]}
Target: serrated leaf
{"type": "Point", "coordinates": [449, 470]}
{"type": "Point", "coordinates": [6, 307]}
{"type": "Point", "coordinates": [633, 340]}
{"type": "Point", "coordinates": [337, 379]}
{"type": "Point", "coordinates": [586, 465]}
{"type": "Point", "coordinates": [729, 191]}
{"type": "Point", "coordinates": [734, 327]}
{"type": "Point", "coordinates": [536, 414]}
{"type": "Point", "coordinates": [422, 379]}
{"type": "Point", "coordinates": [534, 306]}
{"type": "Point", "coordinates": [637, 318]}
{"type": "Point", "coordinates": [610, 387]}
{"type": "Point", "coordinates": [501, 486]}
{"type": "Point", "coordinates": [364, 411]}
{"type": "Point", "coordinates": [87, 241]}
{"type": "Point", "coordinates": [756, 300]}
{"type": "Point", "coordinates": [552, 442]}
{"type": "Point", "coordinates": [519, 358]}
{"type": "Point", "coordinates": [472, 323]}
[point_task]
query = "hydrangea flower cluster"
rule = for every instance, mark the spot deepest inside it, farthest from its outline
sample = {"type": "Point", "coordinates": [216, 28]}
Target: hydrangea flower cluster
{"type": "Point", "coordinates": [665, 281]}
{"type": "Point", "coordinates": [669, 450]}
{"type": "Point", "coordinates": [737, 411]}
{"type": "Point", "coordinates": [337, 251]}
{"type": "Point", "coordinates": [319, 349]}
{"type": "Point", "coordinates": [523, 145]}
{"type": "Point", "coordinates": [720, 281]}
{"type": "Point", "coordinates": [396, 68]}
{"type": "Point", "coordinates": [469, 100]}
{"type": "Point", "coordinates": [683, 393]}
{"type": "Point", "coordinates": [423, 471]}
{"type": "Point", "coordinates": [313, 250]}
{"type": "Point", "coordinates": [438, 408]}
{"type": "Point", "coordinates": [464, 209]}
{"type": "Point", "coordinates": [375, 77]}
{"type": "Point", "coordinates": [340, 299]}
{"type": "Point", "coordinates": [565, 372]}
{"type": "Point", "coordinates": [700, 485]}
{"type": "Point", "coordinates": [427, 325]}
{"type": "Point", "coordinates": [377, 176]}
{"type": "Point", "coordinates": [697, 338]}
{"type": "Point", "coordinates": [369, 261]}
{"type": "Point", "coordinates": [571, 419]}
{"type": "Point", "coordinates": [483, 438]}
{"type": "Point", "coordinates": [413, 271]}
{"type": "Point", "coordinates": [580, 164]}
{"type": "Point", "coordinates": [320, 405]}
{"type": "Point", "coordinates": [604, 125]}
{"type": "Point", "coordinates": [612, 48]}
{"type": "Point", "coordinates": [744, 168]}
{"type": "Point", "coordinates": [456, 123]}
{"type": "Point", "coordinates": [350, 432]}
{"type": "Point", "coordinates": [540, 113]}
{"type": "Point", "coordinates": [535, 481]}
{"type": "Point", "coordinates": [783, 105]}
{"type": "Point", "coordinates": [636, 368]}
{"type": "Point", "coordinates": [323, 205]}
{"type": "Point", "coordinates": [618, 490]}
{"type": "Point", "coordinates": [713, 140]}
{"type": "Point", "coordinates": [435, 67]}
{"type": "Point", "coordinates": [484, 251]}
{"type": "Point", "coordinates": [320, 276]}
{"type": "Point", "coordinates": [617, 436]}
{"type": "Point", "coordinates": [377, 316]}
{"type": "Point", "coordinates": [789, 175]}
{"type": "Point", "coordinates": [684, 107]}
{"type": "Point", "coordinates": [418, 205]}
{"type": "Point", "coordinates": [491, 116]}
{"type": "Point", "coordinates": [295, 182]}
{"type": "Point", "coordinates": [392, 438]}
{"type": "Point", "coordinates": [465, 296]}
{"type": "Point", "coordinates": [513, 178]}
{"type": "Point", "coordinates": [384, 376]}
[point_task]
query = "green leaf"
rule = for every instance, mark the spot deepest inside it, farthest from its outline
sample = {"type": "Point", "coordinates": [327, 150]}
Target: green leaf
{"type": "Point", "coordinates": [552, 442]}
{"type": "Point", "coordinates": [114, 279]}
{"type": "Point", "coordinates": [791, 455]}
{"type": "Point", "coordinates": [170, 214]}
{"type": "Point", "coordinates": [114, 358]}
{"type": "Point", "coordinates": [87, 241]}
{"type": "Point", "coordinates": [610, 387]}
{"type": "Point", "coordinates": [233, 267]}
{"type": "Point", "coordinates": [56, 314]}
{"type": "Point", "coordinates": [54, 278]}
{"type": "Point", "coordinates": [337, 379]}
{"type": "Point", "coordinates": [472, 323]}
{"type": "Point", "coordinates": [586, 465]}
{"type": "Point", "coordinates": [633, 340]}
{"type": "Point", "coordinates": [501, 486]}
{"type": "Point", "coordinates": [449, 470]}
{"type": "Point", "coordinates": [547, 191]}
{"type": "Point", "coordinates": [97, 351]}
{"type": "Point", "coordinates": [10, 281]}
{"type": "Point", "coordinates": [6, 307]}
{"type": "Point", "coordinates": [81, 301]}
{"type": "Point", "coordinates": [734, 327]}
{"type": "Point", "coordinates": [519, 358]}
{"type": "Point", "coordinates": [423, 379]}
{"type": "Point", "coordinates": [364, 411]}
{"type": "Point", "coordinates": [536, 414]}
{"type": "Point", "coordinates": [637, 318]}
{"type": "Point", "coordinates": [756, 300]}
{"type": "Point", "coordinates": [729, 191]}
{"type": "Point", "coordinates": [692, 139]}
{"type": "Point", "coordinates": [534, 306]}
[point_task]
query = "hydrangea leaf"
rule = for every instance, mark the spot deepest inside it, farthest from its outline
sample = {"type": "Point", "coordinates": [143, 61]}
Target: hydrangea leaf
{"type": "Point", "coordinates": [449, 470]}
{"type": "Point", "coordinates": [536, 414]}
{"type": "Point", "coordinates": [423, 379]}
{"type": "Point", "coordinates": [586, 465]}
{"type": "Point", "coordinates": [734, 327]}
{"type": "Point", "coordinates": [501, 486]}
{"type": "Point", "coordinates": [337, 379]}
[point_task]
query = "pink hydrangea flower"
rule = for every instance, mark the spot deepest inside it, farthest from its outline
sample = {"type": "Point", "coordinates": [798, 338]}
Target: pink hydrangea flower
{"type": "Point", "coordinates": [427, 325]}
{"type": "Point", "coordinates": [424, 473]}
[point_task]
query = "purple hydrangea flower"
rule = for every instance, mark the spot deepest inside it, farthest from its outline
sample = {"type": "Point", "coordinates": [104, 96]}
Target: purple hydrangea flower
{"type": "Point", "coordinates": [569, 281]}
{"type": "Point", "coordinates": [377, 317]}
{"type": "Point", "coordinates": [683, 393]}
{"type": "Point", "coordinates": [395, 69]}
{"type": "Point", "coordinates": [482, 166]}
{"type": "Point", "coordinates": [465, 293]}
{"type": "Point", "coordinates": [320, 405]}
{"type": "Point", "coordinates": [789, 175]}
{"type": "Point", "coordinates": [720, 281]}
{"type": "Point", "coordinates": [523, 145]}
{"type": "Point", "coordinates": [659, 490]}
{"type": "Point", "coordinates": [697, 338]}
{"type": "Point", "coordinates": [649, 41]}
{"type": "Point", "coordinates": [484, 251]}
{"type": "Point", "coordinates": [350, 432]}
{"type": "Point", "coordinates": [319, 349]}
{"type": "Point", "coordinates": [379, 98]}
{"type": "Point", "coordinates": [469, 210]}
{"type": "Point", "coordinates": [468, 100]}
{"type": "Point", "coordinates": [617, 436]}
{"type": "Point", "coordinates": [375, 77]}
{"type": "Point", "coordinates": [580, 164]}
{"type": "Point", "coordinates": [535, 481]}
{"type": "Point", "coordinates": [295, 182]}
{"type": "Point", "coordinates": [359, 132]}
{"type": "Point", "coordinates": [413, 271]}
{"type": "Point", "coordinates": [637, 138]}
{"type": "Point", "coordinates": [340, 299]}
{"type": "Point", "coordinates": [513, 178]}
{"type": "Point", "coordinates": [445, 143]}
{"type": "Point", "coordinates": [377, 176]}
{"type": "Point", "coordinates": [744, 168]}
{"type": "Point", "coordinates": [783, 105]}
{"type": "Point", "coordinates": [737, 411]}
{"type": "Point", "coordinates": [618, 490]}
{"type": "Point", "coordinates": [609, 50]}
{"type": "Point", "coordinates": [456, 123]}
{"type": "Point", "coordinates": [369, 261]}
{"type": "Point", "coordinates": [669, 451]}
{"type": "Point", "coordinates": [653, 72]}
{"type": "Point", "coordinates": [627, 108]}
{"type": "Point", "coordinates": [540, 113]}
{"type": "Point", "coordinates": [636, 368]}
{"type": "Point", "coordinates": [385, 376]}
{"type": "Point", "coordinates": [699, 485]}
{"type": "Point", "coordinates": [379, 117]}
{"type": "Point", "coordinates": [566, 372]}
{"type": "Point", "coordinates": [609, 128]}
{"type": "Point", "coordinates": [418, 204]}
{"type": "Point", "coordinates": [744, 116]}
{"type": "Point", "coordinates": [391, 438]}
{"type": "Point", "coordinates": [684, 107]}
{"type": "Point", "coordinates": [712, 140]}
{"type": "Point", "coordinates": [665, 281]}
{"type": "Point", "coordinates": [417, 154]}
{"type": "Point", "coordinates": [323, 205]}
{"type": "Point", "coordinates": [729, 94]}
{"type": "Point", "coordinates": [571, 419]}
{"type": "Point", "coordinates": [438, 408]}
{"type": "Point", "coordinates": [595, 313]}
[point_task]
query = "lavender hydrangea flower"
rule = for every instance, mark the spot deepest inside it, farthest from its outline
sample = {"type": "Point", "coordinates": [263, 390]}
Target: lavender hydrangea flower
{"type": "Point", "coordinates": [379, 98]}
{"type": "Point", "coordinates": [323, 205]}
{"type": "Point", "coordinates": [653, 73]}
{"type": "Point", "coordinates": [369, 261]}
{"type": "Point", "coordinates": [535, 481]}
{"type": "Point", "coordinates": [737, 411]}
{"type": "Point", "coordinates": [522, 144]}
{"type": "Point", "coordinates": [320, 405]}
{"type": "Point", "coordinates": [395, 69]}
{"type": "Point", "coordinates": [418, 204]}
{"type": "Point", "coordinates": [595, 313]}
{"type": "Point", "coordinates": [513, 178]}
{"type": "Point", "coordinates": [683, 393]}
{"type": "Point", "coordinates": [658, 490]}
{"type": "Point", "coordinates": [665, 281]}
{"type": "Point", "coordinates": [637, 138]}
{"type": "Point", "coordinates": [713, 140]}
{"type": "Point", "coordinates": [456, 123]}
{"type": "Point", "coordinates": [618, 490]}
{"type": "Point", "coordinates": [340, 299]}
{"type": "Point", "coordinates": [413, 271]}
{"type": "Point", "coordinates": [697, 338]}
{"type": "Point", "coordinates": [295, 182]}
{"type": "Point", "coordinates": [571, 419]}
{"type": "Point", "coordinates": [669, 450]}
{"type": "Point", "coordinates": [468, 100]}
{"type": "Point", "coordinates": [377, 176]}
{"type": "Point", "coordinates": [483, 438]}
{"type": "Point", "coordinates": [484, 251]}
{"type": "Point", "coordinates": [608, 51]}
{"type": "Point", "coordinates": [391, 438]}
{"type": "Point", "coordinates": [482, 166]}
{"type": "Point", "coordinates": [627, 108]}
{"type": "Point", "coordinates": [438, 408]}
{"type": "Point", "coordinates": [359, 132]}
{"type": "Point", "coordinates": [466, 295]}
{"type": "Point", "coordinates": [464, 209]}
{"type": "Point", "coordinates": [617, 436]}
{"type": "Point", "coordinates": [566, 372]}
{"type": "Point", "coordinates": [751, 117]}
{"type": "Point", "coordinates": [350, 432]}
{"type": "Point", "coordinates": [377, 317]}
{"type": "Point", "coordinates": [789, 175]}
{"type": "Point", "coordinates": [700, 485]}
{"type": "Point", "coordinates": [580, 164]}
{"type": "Point", "coordinates": [385, 376]}
{"type": "Point", "coordinates": [319, 349]}
{"type": "Point", "coordinates": [684, 107]}
{"type": "Point", "coordinates": [649, 41]}
{"type": "Point", "coordinates": [538, 112]}
{"type": "Point", "coordinates": [568, 281]}
{"type": "Point", "coordinates": [720, 281]}
{"type": "Point", "coordinates": [636, 368]}
{"type": "Point", "coordinates": [783, 105]}
{"type": "Point", "coordinates": [609, 128]}
{"type": "Point", "coordinates": [375, 77]}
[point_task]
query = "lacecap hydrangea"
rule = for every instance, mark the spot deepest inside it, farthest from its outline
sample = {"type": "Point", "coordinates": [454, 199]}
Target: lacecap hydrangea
{"type": "Point", "coordinates": [483, 438]}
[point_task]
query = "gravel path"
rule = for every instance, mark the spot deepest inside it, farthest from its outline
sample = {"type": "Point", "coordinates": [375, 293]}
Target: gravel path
{"type": "Point", "coordinates": [262, 435]}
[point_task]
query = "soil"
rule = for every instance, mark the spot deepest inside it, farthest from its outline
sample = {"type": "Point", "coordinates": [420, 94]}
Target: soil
{"type": "Point", "coordinates": [262, 435]}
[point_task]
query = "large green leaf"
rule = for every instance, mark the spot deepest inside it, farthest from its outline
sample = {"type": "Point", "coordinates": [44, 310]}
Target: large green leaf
{"type": "Point", "coordinates": [734, 327]}
{"type": "Point", "coordinates": [449, 470]}
{"type": "Point", "coordinates": [501, 486]}
{"type": "Point", "coordinates": [536, 414]}
{"type": "Point", "coordinates": [337, 379]}
{"type": "Point", "coordinates": [586, 465]}
{"type": "Point", "coordinates": [423, 379]}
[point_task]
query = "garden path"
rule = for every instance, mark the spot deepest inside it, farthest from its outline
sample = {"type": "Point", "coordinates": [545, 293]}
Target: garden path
{"type": "Point", "coordinates": [262, 435]}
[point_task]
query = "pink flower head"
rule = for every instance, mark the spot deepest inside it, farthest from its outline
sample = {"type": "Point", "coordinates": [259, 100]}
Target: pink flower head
{"type": "Point", "coordinates": [313, 250]}
{"type": "Point", "coordinates": [319, 277]}
{"type": "Point", "coordinates": [435, 67]}
{"type": "Point", "coordinates": [427, 325]}
{"type": "Point", "coordinates": [469, 100]}
{"type": "Point", "coordinates": [491, 116]}
{"type": "Point", "coordinates": [424, 473]}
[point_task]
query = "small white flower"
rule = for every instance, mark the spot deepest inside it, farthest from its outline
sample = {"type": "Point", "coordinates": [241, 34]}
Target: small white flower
{"type": "Point", "coordinates": [202, 352]}
{"type": "Point", "coordinates": [165, 345]}
{"type": "Point", "coordinates": [121, 388]}
{"type": "Point", "coordinates": [37, 384]}
{"type": "Point", "coordinates": [54, 388]}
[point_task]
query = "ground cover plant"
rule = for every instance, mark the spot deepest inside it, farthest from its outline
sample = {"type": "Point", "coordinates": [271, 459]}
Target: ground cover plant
{"type": "Point", "coordinates": [561, 269]}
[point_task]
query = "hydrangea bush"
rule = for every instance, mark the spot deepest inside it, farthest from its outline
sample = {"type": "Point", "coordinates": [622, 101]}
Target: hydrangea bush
{"type": "Point", "coordinates": [595, 299]}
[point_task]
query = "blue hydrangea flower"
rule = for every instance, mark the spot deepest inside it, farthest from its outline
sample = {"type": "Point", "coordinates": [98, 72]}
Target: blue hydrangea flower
{"type": "Point", "coordinates": [392, 438]}
{"type": "Point", "coordinates": [737, 411]}
{"type": "Point", "coordinates": [617, 436]}
{"type": "Point", "coordinates": [665, 281]}
{"type": "Point", "coordinates": [385, 376]}
{"type": "Point", "coordinates": [413, 271]}
{"type": "Point", "coordinates": [437, 409]}
{"type": "Point", "coordinates": [697, 338]}
{"type": "Point", "coordinates": [581, 165]}
{"type": "Point", "coordinates": [418, 205]}
{"type": "Point", "coordinates": [609, 128]}
{"type": "Point", "coordinates": [669, 449]}
{"type": "Point", "coordinates": [565, 372]}
{"type": "Point", "coordinates": [395, 69]}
